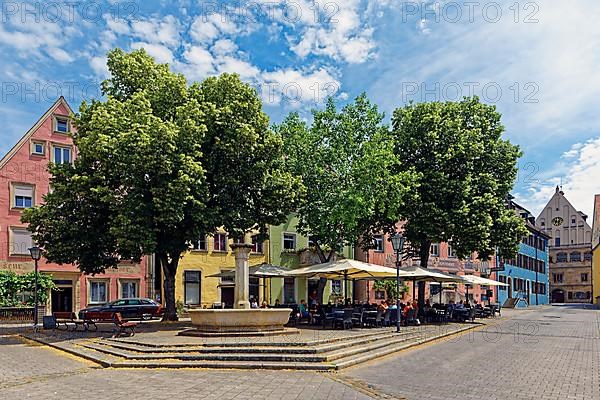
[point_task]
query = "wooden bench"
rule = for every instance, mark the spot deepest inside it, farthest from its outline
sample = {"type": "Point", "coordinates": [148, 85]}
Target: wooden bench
{"type": "Point", "coordinates": [91, 318]}
{"type": "Point", "coordinates": [65, 318]}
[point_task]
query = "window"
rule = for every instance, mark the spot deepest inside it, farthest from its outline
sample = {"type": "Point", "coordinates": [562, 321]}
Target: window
{"type": "Point", "coordinates": [575, 256]}
{"type": "Point", "coordinates": [191, 287]}
{"type": "Point", "coordinates": [128, 289]}
{"type": "Point", "coordinates": [561, 257]}
{"type": "Point", "coordinates": [289, 241]}
{"type": "Point", "coordinates": [62, 155]}
{"type": "Point", "coordinates": [379, 295]}
{"type": "Point", "coordinates": [20, 241]}
{"type": "Point", "coordinates": [61, 124]}
{"type": "Point", "coordinates": [378, 243]}
{"type": "Point", "coordinates": [220, 242]}
{"type": "Point", "coordinates": [502, 278]}
{"type": "Point", "coordinates": [587, 256]}
{"type": "Point", "coordinates": [557, 241]}
{"type": "Point", "coordinates": [434, 250]}
{"type": "Point", "coordinates": [23, 196]}
{"type": "Point", "coordinates": [98, 292]}
{"type": "Point", "coordinates": [451, 251]}
{"type": "Point", "coordinates": [557, 278]}
{"type": "Point", "coordinates": [257, 245]}
{"type": "Point", "coordinates": [312, 242]}
{"type": "Point", "coordinates": [38, 148]}
{"type": "Point", "coordinates": [584, 277]}
{"type": "Point", "coordinates": [289, 292]}
{"type": "Point", "coordinates": [201, 243]}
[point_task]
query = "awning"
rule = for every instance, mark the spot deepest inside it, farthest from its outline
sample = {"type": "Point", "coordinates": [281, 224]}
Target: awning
{"type": "Point", "coordinates": [477, 280]}
{"type": "Point", "coordinates": [345, 268]}
{"type": "Point", "coordinates": [418, 274]}
{"type": "Point", "coordinates": [263, 270]}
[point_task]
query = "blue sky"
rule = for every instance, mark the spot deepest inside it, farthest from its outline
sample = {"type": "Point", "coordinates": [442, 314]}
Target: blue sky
{"type": "Point", "coordinates": [536, 61]}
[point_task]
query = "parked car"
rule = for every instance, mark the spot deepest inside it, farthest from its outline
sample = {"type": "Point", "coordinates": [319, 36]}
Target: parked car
{"type": "Point", "coordinates": [135, 308]}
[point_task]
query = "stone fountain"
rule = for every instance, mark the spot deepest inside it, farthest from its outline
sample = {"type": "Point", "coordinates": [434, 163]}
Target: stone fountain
{"type": "Point", "coordinates": [242, 320]}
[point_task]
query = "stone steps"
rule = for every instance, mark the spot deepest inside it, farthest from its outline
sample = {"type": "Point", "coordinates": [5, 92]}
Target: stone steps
{"type": "Point", "coordinates": [263, 354]}
{"type": "Point", "coordinates": [318, 355]}
{"type": "Point", "coordinates": [299, 348]}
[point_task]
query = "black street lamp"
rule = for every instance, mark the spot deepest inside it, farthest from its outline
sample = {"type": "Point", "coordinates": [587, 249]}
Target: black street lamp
{"type": "Point", "coordinates": [398, 245]}
{"type": "Point", "coordinates": [36, 254]}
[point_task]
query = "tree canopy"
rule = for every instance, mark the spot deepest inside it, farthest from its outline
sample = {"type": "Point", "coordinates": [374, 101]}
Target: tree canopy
{"type": "Point", "coordinates": [160, 163]}
{"type": "Point", "coordinates": [347, 163]}
{"type": "Point", "coordinates": [465, 171]}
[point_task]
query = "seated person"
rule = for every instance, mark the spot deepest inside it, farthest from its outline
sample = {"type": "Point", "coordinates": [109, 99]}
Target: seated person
{"type": "Point", "coordinates": [407, 308]}
{"type": "Point", "coordinates": [427, 305]}
{"type": "Point", "coordinates": [264, 305]}
{"type": "Point", "coordinates": [303, 311]}
{"type": "Point", "coordinates": [277, 304]}
{"type": "Point", "coordinates": [460, 306]}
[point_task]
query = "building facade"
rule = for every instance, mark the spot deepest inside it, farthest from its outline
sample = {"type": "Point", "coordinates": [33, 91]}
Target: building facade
{"type": "Point", "coordinates": [527, 273]}
{"type": "Point", "coordinates": [195, 283]}
{"type": "Point", "coordinates": [570, 266]}
{"type": "Point", "coordinates": [596, 251]}
{"type": "Point", "coordinates": [290, 249]}
{"type": "Point", "coordinates": [441, 258]}
{"type": "Point", "coordinates": [24, 180]}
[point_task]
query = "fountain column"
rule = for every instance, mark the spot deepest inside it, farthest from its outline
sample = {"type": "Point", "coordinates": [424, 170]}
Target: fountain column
{"type": "Point", "coordinates": [242, 275]}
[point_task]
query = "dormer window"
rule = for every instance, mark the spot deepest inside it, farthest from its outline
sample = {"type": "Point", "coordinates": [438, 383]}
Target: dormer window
{"type": "Point", "coordinates": [62, 125]}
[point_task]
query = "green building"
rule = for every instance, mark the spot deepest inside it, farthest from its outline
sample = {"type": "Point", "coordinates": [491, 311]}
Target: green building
{"type": "Point", "coordinates": [290, 249]}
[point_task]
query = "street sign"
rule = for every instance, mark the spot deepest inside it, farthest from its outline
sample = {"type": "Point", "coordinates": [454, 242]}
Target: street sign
{"type": "Point", "coordinates": [497, 269]}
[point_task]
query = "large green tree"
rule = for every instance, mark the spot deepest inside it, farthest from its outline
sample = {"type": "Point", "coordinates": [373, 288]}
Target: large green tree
{"type": "Point", "coordinates": [160, 163]}
{"type": "Point", "coordinates": [465, 173]}
{"type": "Point", "coordinates": [347, 163]}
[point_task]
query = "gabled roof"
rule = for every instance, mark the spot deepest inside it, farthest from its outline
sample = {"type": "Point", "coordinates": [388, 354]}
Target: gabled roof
{"type": "Point", "coordinates": [561, 194]}
{"type": "Point", "coordinates": [25, 139]}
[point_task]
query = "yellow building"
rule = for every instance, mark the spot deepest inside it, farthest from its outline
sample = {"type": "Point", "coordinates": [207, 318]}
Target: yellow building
{"type": "Point", "coordinates": [596, 251]}
{"type": "Point", "coordinates": [194, 286]}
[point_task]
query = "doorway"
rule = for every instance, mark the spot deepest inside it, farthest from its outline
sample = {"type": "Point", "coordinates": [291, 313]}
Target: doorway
{"type": "Point", "coordinates": [62, 300]}
{"type": "Point", "coordinates": [227, 296]}
{"type": "Point", "coordinates": [558, 296]}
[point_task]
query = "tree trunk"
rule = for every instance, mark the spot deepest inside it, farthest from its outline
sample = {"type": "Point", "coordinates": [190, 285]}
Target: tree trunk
{"type": "Point", "coordinates": [424, 249]}
{"type": "Point", "coordinates": [169, 269]}
{"type": "Point", "coordinates": [322, 281]}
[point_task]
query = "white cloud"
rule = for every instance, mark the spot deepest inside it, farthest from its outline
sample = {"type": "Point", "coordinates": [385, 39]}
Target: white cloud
{"type": "Point", "coordinates": [161, 54]}
{"type": "Point", "coordinates": [224, 46]}
{"type": "Point", "coordinates": [298, 87]}
{"type": "Point", "coordinates": [207, 28]}
{"type": "Point", "coordinates": [578, 179]}
{"type": "Point", "coordinates": [59, 55]}
{"type": "Point", "coordinates": [117, 25]}
{"type": "Point", "coordinates": [164, 31]}
{"type": "Point", "coordinates": [98, 64]}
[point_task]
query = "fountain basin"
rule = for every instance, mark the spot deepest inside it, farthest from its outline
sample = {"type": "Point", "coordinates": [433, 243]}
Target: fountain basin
{"type": "Point", "coordinates": [240, 320]}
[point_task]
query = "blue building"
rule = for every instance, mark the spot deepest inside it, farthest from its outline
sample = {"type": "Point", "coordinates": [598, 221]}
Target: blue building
{"type": "Point", "coordinates": [527, 273]}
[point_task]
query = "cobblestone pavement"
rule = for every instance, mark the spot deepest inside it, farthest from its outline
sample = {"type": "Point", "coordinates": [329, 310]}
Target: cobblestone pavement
{"type": "Point", "coordinates": [542, 354]}
{"type": "Point", "coordinates": [37, 372]}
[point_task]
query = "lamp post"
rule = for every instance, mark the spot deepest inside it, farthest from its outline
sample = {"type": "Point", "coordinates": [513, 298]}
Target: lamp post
{"type": "Point", "coordinates": [397, 244]}
{"type": "Point", "coordinates": [36, 254]}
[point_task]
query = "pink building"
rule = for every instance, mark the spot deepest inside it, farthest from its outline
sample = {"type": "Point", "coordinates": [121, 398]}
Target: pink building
{"type": "Point", "coordinates": [24, 179]}
{"type": "Point", "coordinates": [442, 258]}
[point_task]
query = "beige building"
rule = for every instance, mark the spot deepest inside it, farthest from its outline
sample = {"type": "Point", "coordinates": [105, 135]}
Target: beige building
{"type": "Point", "coordinates": [596, 251]}
{"type": "Point", "coordinates": [570, 267]}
